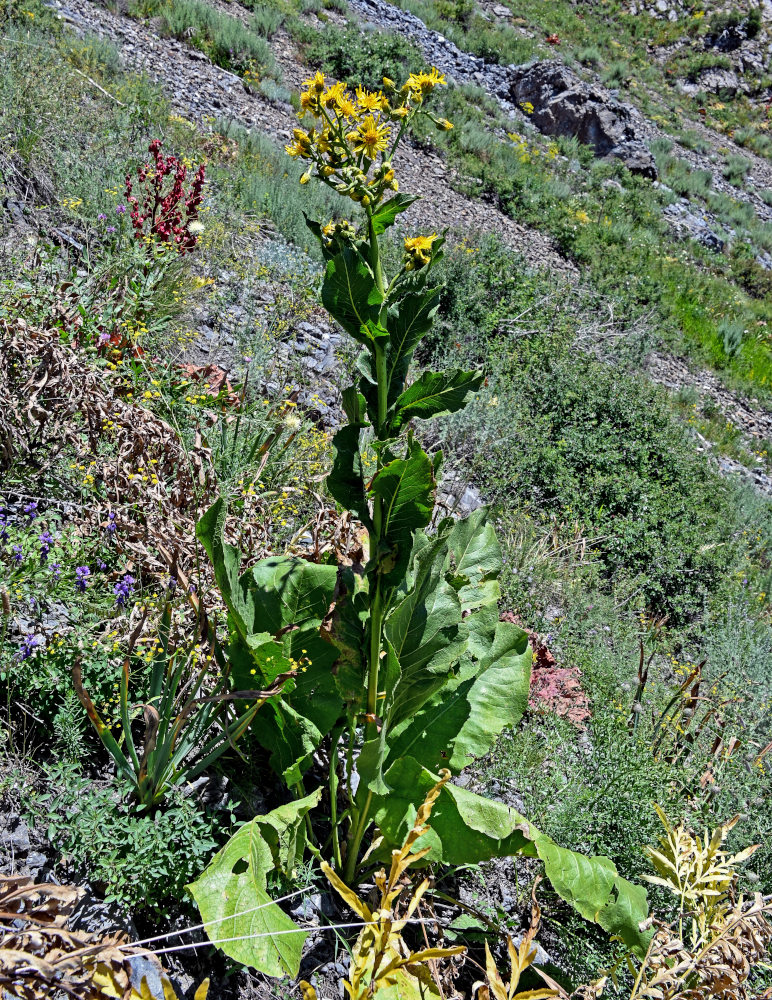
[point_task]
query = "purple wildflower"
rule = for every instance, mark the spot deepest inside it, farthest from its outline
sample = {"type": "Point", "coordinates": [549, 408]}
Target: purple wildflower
{"type": "Point", "coordinates": [55, 570]}
{"type": "Point", "coordinates": [31, 510]}
{"type": "Point", "coordinates": [110, 229]}
{"type": "Point", "coordinates": [172, 583]}
{"type": "Point", "coordinates": [103, 338]}
{"type": "Point", "coordinates": [192, 588]}
{"type": "Point", "coordinates": [28, 646]}
{"type": "Point", "coordinates": [101, 566]}
{"type": "Point", "coordinates": [123, 589]}
{"type": "Point", "coordinates": [120, 209]}
{"type": "Point", "coordinates": [3, 527]}
{"type": "Point", "coordinates": [46, 541]}
{"type": "Point", "coordinates": [18, 555]}
{"type": "Point", "coordinates": [81, 575]}
{"type": "Point", "coordinates": [101, 217]}
{"type": "Point", "coordinates": [111, 523]}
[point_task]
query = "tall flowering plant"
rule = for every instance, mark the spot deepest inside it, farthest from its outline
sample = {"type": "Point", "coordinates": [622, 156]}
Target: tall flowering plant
{"type": "Point", "coordinates": [165, 211]}
{"type": "Point", "coordinates": [408, 670]}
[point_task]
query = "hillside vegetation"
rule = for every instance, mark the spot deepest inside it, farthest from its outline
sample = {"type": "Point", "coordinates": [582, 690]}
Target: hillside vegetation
{"type": "Point", "coordinates": [385, 481]}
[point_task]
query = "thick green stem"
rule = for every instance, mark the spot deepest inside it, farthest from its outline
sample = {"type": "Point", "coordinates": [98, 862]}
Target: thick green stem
{"type": "Point", "coordinates": [360, 820]}
{"type": "Point", "coordinates": [355, 841]}
{"type": "Point", "coordinates": [333, 784]}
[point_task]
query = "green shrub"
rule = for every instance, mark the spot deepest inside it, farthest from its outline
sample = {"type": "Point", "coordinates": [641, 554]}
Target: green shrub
{"type": "Point", "coordinates": [590, 57]}
{"type": "Point", "coordinates": [697, 64]}
{"type": "Point", "coordinates": [684, 179]}
{"type": "Point", "coordinates": [267, 183]}
{"type": "Point", "coordinates": [266, 21]}
{"type": "Point", "coordinates": [363, 57]}
{"type": "Point", "coordinates": [731, 333]}
{"type": "Point", "coordinates": [588, 443]}
{"type": "Point", "coordinates": [736, 169]}
{"type": "Point", "coordinates": [617, 74]}
{"type": "Point", "coordinates": [225, 39]}
{"type": "Point", "coordinates": [143, 862]}
{"type": "Point", "coordinates": [755, 279]}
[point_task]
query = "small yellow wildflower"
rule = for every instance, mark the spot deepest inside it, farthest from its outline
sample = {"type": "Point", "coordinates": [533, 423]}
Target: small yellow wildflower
{"type": "Point", "coordinates": [369, 100]}
{"type": "Point", "coordinates": [371, 137]}
{"type": "Point", "coordinates": [419, 250]}
{"type": "Point", "coordinates": [315, 84]}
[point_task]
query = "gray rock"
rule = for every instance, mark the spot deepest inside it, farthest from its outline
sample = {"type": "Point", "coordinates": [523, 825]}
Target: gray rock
{"type": "Point", "coordinates": [717, 80]}
{"type": "Point", "coordinates": [563, 104]}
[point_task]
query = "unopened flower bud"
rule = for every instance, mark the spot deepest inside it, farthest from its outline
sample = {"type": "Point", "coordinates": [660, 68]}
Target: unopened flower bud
{"type": "Point", "coordinates": [305, 178]}
{"type": "Point", "coordinates": [444, 125]}
{"type": "Point", "coordinates": [388, 84]}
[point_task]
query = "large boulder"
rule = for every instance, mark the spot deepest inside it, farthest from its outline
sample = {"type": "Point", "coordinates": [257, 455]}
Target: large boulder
{"type": "Point", "coordinates": [563, 104]}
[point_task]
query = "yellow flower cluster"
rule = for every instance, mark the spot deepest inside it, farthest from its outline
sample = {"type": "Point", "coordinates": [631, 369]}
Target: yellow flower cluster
{"type": "Point", "coordinates": [353, 131]}
{"type": "Point", "coordinates": [418, 251]}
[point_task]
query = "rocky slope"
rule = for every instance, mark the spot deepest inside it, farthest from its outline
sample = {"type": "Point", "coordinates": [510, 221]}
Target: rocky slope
{"type": "Point", "coordinates": [564, 101]}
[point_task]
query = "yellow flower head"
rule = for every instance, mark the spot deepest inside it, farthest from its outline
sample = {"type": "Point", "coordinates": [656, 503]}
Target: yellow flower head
{"type": "Point", "coordinates": [369, 100]}
{"type": "Point", "coordinates": [315, 84]}
{"type": "Point", "coordinates": [422, 84]}
{"type": "Point", "coordinates": [419, 249]}
{"type": "Point", "coordinates": [308, 102]}
{"type": "Point", "coordinates": [333, 94]}
{"type": "Point", "coordinates": [371, 137]}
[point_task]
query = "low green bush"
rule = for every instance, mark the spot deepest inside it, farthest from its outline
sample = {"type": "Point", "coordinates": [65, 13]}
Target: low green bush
{"type": "Point", "coordinates": [224, 39]}
{"type": "Point", "coordinates": [590, 443]}
{"type": "Point", "coordinates": [736, 169]}
{"type": "Point", "coordinates": [266, 20]}
{"type": "Point", "coordinates": [142, 862]}
{"type": "Point", "coordinates": [362, 58]}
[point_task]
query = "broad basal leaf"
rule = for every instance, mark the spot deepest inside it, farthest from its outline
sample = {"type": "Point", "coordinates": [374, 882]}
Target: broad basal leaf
{"type": "Point", "coordinates": [433, 394]}
{"type": "Point", "coordinates": [289, 592]}
{"type": "Point", "coordinates": [294, 726]}
{"type": "Point", "coordinates": [465, 828]}
{"type": "Point", "coordinates": [350, 295]}
{"type": "Point", "coordinates": [232, 898]}
{"type": "Point", "coordinates": [594, 888]}
{"type": "Point", "coordinates": [463, 721]}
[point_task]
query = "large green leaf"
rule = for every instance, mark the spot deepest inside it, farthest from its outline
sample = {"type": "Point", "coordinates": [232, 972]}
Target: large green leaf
{"type": "Point", "coordinates": [349, 293]}
{"type": "Point", "coordinates": [467, 828]}
{"type": "Point", "coordinates": [384, 216]}
{"type": "Point", "coordinates": [346, 480]}
{"type": "Point", "coordinates": [433, 394]}
{"type": "Point", "coordinates": [226, 562]}
{"type": "Point", "coordinates": [276, 610]}
{"type": "Point", "coordinates": [406, 486]}
{"type": "Point", "coordinates": [407, 322]}
{"type": "Point", "coordinates": [232, 898]}
{"type": "Point", "coordinates": [594, 888]}
{"type": "Point", "coordinates": [295, 725]}
{"type": "Point", "coordinates": [463, 721]}
{"type": "Point", "coordinates": [289, 592]}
